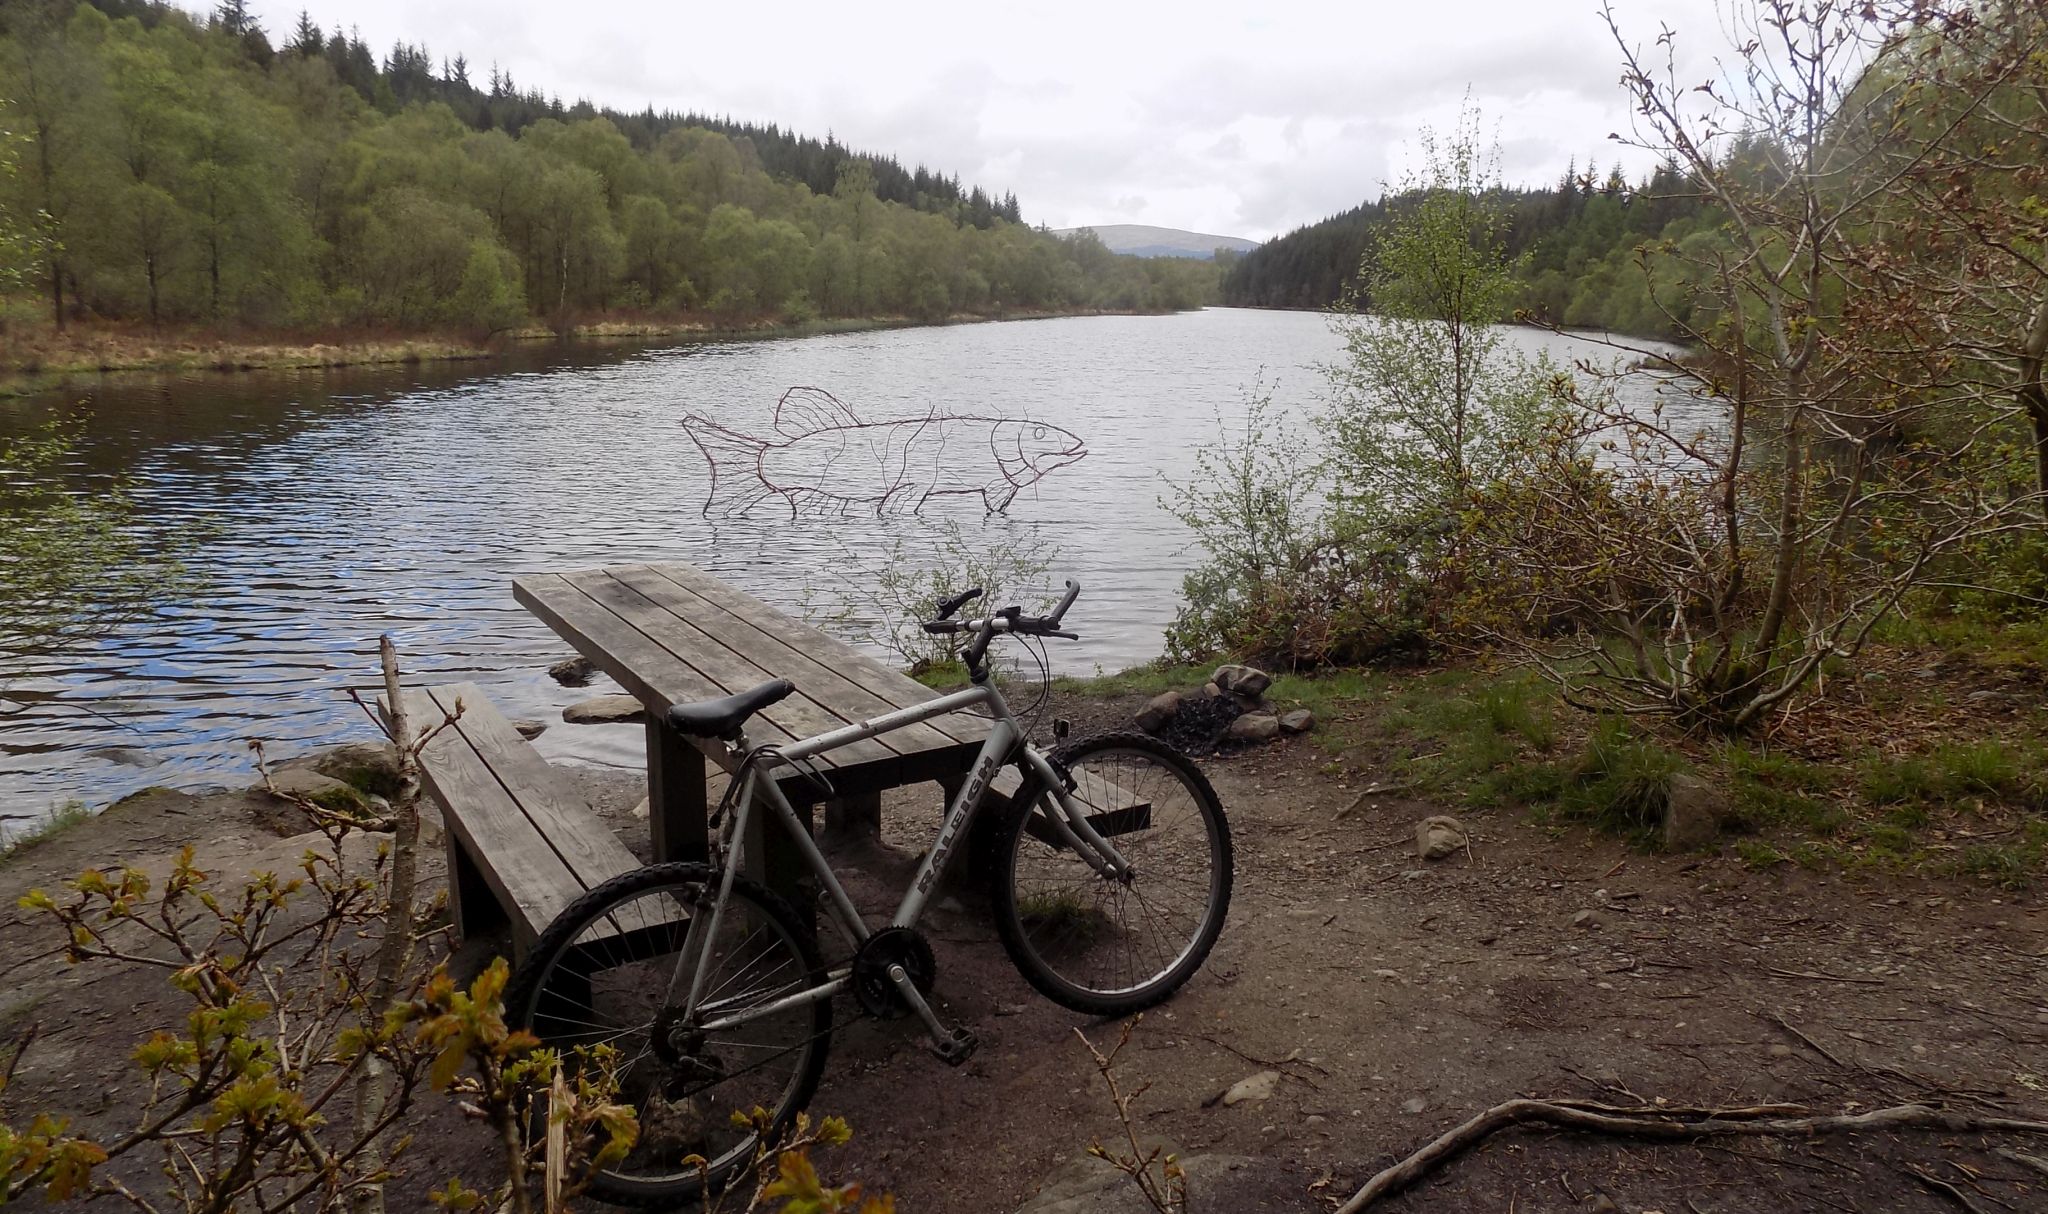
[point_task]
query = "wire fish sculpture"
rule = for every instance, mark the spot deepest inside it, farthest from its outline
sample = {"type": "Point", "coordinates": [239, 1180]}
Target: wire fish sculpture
{"type": "Point", "coordinates": [824, 459]}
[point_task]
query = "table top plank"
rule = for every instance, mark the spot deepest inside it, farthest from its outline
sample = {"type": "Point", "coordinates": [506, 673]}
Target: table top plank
{"type": "Point", "coordinates": [825, 686]}
{"type": "Point", "coordinates": [799, 714]}
{"type": "Point", "coordinates": [893, 687]}
{"type": "Point", "coordinates": [651, 674]}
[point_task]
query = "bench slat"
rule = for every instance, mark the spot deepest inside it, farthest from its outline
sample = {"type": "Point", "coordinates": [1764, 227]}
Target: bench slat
{"type": "Point", "coordinates": [535, 843]}
{"type": "Point", "coordinates": [524, 875]}
{"type": "Point", "coordinates": [563, 818]}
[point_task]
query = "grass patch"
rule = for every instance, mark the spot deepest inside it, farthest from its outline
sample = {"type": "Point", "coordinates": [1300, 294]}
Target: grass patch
{"type": "Point", "coordinates": [1621, 782]}
{"type": "Point", "coordinates": [1064, 915]}
{"type": "Point", "coordinates": [940, 675]}
{"type": "Point", "coordinates": [1757, 855]}
{"type": "Point", "coordinates": [1771, 788]}
{"type": "Point", "coordinates": [346, 800]}
{"type": "Point", "coordinates": [1472, 735]}
{"type": "Point", "coordinates": [1154, 678]}
{"type": "Point", "coordinates": [59, 820]}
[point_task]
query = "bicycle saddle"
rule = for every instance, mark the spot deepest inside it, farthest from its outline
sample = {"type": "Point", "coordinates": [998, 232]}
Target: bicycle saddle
{"type": "Point", "coordinates": [722, 718]}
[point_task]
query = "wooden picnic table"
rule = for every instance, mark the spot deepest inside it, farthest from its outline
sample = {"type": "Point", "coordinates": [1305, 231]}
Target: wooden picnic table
{"type": "Point", "coordinates": [671, 633]}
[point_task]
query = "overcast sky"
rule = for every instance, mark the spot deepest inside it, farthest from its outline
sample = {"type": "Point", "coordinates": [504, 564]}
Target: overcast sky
{"type": "Point", "coordinates": [1243, 119]}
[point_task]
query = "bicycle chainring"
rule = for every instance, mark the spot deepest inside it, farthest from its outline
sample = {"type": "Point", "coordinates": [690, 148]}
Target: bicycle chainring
{"type": "Point", "coordinates": [892, 946]}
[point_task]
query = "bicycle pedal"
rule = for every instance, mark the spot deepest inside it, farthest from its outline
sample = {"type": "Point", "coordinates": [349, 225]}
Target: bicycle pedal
{"type": "Point", "coordinates": [956, 1047]}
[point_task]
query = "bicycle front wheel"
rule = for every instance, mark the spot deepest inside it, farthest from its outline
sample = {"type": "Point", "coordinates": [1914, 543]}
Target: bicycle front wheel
{"type": "Point", "coordinates": [612, 970]}
{"type": "Point", "coordinates": [1097, 944]}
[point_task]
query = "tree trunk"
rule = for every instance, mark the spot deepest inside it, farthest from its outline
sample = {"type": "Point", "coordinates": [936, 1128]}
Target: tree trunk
{"type": "Point", "coordinates": [149, 268]}
{"type": "Point", "coordinates": [57, 292]}
{"type": "Point", "coordinates": [1787, 542]}
{"type": "Point", "coordinates": [2033, 393]}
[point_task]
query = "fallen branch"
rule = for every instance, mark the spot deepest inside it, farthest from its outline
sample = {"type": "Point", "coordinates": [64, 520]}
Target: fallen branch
{"type": "Point", "coordinates": [1938, 1185]}
{"type": "Point", "coordinates": [1810, 1043]}
{"type": "Point", "coordinates": [1814, 976]}
{"type": "Point", "coordinates": [1670, 1125]}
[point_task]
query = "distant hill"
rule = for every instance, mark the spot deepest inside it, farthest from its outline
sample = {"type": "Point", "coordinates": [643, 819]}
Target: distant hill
{"type": "Point", "coordinates": [1141, 240]}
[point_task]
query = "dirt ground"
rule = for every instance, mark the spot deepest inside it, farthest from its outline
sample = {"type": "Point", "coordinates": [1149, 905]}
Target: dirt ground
{"type": "Point", "coordinates": [1396, 997]}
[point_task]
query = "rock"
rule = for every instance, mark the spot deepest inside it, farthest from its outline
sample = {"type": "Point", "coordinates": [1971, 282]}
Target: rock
{"type": "Point", "coordinates": [1087, 1185]}
{"type": "Point", "coordinates": [1161, 709]}
{"type": "Point", "coordinates": [1602, 1204]}
{"type": "Point", "coordinates": [573, 672]}
{"type": "Point", "coordinates": [1693, 814]}
{"type": "Point", "coordinates": [322, 790]}
{"type": "Point", "coordinates": [641, 810]}
{"type": "Point", "coordinates": [370, 766]}
{"type": "Point", "coordinates": [1586, 920]}
{"type": "Point", "coordinates": [604, 710]}
{"type": "Point", "coordinates": [1415, 1106]}
{"type": "Point", "coordinates": [1255, 727]}
{"type": "Point", "coordinates": [1216, 1184]}
{"type": "Point", "coordinates": [530, 729]}
{"type": "Point", "coordinates": [1301, 720]}
{"type": "Point", "coordinates": [126, 756]}
{"type": "Point", "coordinates": [1210, 691]}
{"type": "Point", "coordinates": [1253, 1088]}
{"type": "Point", "coordinates": [1439, 836]}
{"type": "Point", "coordinates": [1780, 1050]}
{"type": "Point", "coordinates": [1245, 681]}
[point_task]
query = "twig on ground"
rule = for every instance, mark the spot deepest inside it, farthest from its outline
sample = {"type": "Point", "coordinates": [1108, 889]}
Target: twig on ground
{"type": "Point", "coordinates": [2025, 1160]}
{"type": "Point", "coordinates": [1944, 1188]}
{"type": "Point", "coordinates": [1811, 1044]}
{"type": "Point", "coordinates": [1157, 1175]}
{"type": "Point", "coordinates": [1290, 1060]}
{"type": "Point", "coordinates": [1667, 1125]}
{"type": "Point", "coordinates": [1814, 976]}
{"type": "Point", "coordinates": [1372, 790]}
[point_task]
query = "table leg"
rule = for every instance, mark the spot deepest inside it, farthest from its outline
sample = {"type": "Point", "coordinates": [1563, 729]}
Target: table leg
{"type": "Point", "coordinates": [854, 820]}
{"type": "Point", "coordinates": [676, 809]}
{"type": "Point", "coordinates": [773, 859]}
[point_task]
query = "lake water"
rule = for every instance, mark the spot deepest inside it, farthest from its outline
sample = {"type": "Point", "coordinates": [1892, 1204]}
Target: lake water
{"type": "Point", "coordinates": [347, 503]}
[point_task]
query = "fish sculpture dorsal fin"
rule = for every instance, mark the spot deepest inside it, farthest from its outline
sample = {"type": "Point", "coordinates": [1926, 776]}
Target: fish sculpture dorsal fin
{"type": "Point", "coordinates": [804, 411]}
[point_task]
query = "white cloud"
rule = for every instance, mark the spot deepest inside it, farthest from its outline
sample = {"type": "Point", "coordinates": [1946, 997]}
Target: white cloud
{"type": "Point", "coordinates": [1217, 117]}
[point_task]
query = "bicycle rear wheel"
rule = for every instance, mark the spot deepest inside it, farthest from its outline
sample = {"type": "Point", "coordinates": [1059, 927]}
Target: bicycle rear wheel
{"type": "Point", "coordinates": [610, 970]}
{"type": "Point", "coordinates": [1097, 944]}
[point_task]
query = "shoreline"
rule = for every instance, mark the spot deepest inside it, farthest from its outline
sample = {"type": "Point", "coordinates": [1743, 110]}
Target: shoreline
{"type": "Point", "coordinates": [99, 354]}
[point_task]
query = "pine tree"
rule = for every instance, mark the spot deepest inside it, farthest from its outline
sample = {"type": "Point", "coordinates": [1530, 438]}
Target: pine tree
{"type": "Point", "coordinates": [307, 40]}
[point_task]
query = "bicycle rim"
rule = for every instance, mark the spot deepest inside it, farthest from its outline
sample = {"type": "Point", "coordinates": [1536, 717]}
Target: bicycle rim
{"type": "Point", "coordinates": [1097, 944]}
{"type": "Point", "coordinates": [611, 971]}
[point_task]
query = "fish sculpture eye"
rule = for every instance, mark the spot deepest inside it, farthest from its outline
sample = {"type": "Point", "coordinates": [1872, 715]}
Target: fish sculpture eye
{"type": "Point", "coordinates": [1038, 432]}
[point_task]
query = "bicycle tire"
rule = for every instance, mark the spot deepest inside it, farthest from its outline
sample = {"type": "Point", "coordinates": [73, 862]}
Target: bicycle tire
{"type": "Point", "coordinates": [524, 1010]}
{"type": "Point", "coordinates": [1010, 844]}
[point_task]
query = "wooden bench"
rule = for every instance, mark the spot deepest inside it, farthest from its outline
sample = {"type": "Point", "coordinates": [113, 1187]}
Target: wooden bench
{"type": "Point", "coordinates": [522, 844]}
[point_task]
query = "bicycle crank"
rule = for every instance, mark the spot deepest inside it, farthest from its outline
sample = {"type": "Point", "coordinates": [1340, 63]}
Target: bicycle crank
{"type": "Point", "coordinates": [892, 974]}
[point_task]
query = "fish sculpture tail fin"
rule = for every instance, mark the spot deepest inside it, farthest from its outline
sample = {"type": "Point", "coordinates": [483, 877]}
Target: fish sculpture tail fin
{"type": "Point", "coordinates": [737, 483]}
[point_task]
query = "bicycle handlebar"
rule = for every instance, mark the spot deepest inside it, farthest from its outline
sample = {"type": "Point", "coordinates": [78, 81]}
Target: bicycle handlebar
{"type": "Point", "coordinates": [954, 604]}
{"type": "Point", "coordinates": [1009, 619]}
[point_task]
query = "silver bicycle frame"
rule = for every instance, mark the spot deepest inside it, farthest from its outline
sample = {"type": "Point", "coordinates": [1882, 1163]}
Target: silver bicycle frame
{"type": "Point", "coordinates": [1005, 738]}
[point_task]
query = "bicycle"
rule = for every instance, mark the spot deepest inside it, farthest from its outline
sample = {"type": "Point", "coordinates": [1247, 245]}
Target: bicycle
{"type": "Point", "coordinates": [712, 990]}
